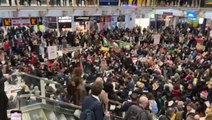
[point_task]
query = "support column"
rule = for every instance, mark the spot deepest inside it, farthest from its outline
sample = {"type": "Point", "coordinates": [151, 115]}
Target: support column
{"type": "Point", "coordinates": [58, 30]}
{"type": "Point", "coordinates": [175, 21]}
{"type": "Point", "coordinates": [73, 24]}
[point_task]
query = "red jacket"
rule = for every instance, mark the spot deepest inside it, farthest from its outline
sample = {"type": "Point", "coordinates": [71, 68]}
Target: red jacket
{"type": "Point", "coordinates": [176, 92]}
{"type": "Point", "coordinates": [6, 46]}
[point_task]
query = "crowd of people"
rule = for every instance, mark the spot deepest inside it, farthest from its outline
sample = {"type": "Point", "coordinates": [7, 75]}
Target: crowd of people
{"type": "Point", "coordinates": [184, 3]}
{"type": "Point", "coordinates": [122, 68]}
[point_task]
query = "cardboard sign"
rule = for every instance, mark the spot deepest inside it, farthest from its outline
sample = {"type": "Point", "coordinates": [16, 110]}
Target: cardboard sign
{"type": "Point", "coordinates": [60, 53]}
{"type": "Point", "coordinates": [52, 52]}
{"type": "Point", "coordinates": [156, 38]}
{"type": "Point", "coordinates": [104, 48]}
{"type": "Point", "coordinates": [200, 47]}
{"type": "Point", "coordinates": [134, 59]}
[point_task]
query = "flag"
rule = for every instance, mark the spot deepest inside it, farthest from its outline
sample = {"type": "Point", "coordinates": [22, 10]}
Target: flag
{"type": "Point", "coordinates": [123, 44]}
{"type": "Point", "coordinates": [106, 42]}
{"type": "Point", "coordinates": [109, 42]}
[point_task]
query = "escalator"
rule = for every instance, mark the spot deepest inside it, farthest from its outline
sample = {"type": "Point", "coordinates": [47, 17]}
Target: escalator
{"type": "Point", "coordinates": [39, 107]}
{"type": "Point", "coordinates": [50, 110]}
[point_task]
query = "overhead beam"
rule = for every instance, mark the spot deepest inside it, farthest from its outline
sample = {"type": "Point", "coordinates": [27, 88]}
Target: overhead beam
{"type": "Point", "coordinates": [92, 8]}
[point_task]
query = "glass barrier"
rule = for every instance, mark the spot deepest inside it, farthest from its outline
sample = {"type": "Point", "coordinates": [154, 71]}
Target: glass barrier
{"type": "Point", "coordinates": [24, 83]}
{"type": "Point", "coordinates": [27, 90]}
{"type": "Point", "coordinates": [53, 108]}
{"type": "Point", "coordinates": [29, 104]}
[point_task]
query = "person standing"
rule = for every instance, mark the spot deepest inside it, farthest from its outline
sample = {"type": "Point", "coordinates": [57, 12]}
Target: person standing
{"type": "Point", "coordinates": [4, 99]}
{"type": "Point", "coordinates": [10, 2]}
{"type": "Point", "coordinates": [29, 2]}
{"type": "Point", "coordinates": [58, 2]}
{"type": "Point", "coordinates": [64, 2]}
{"type": "Point", "coordinates": [139, 112]}
{"type": "Point", "coordinates": [38, 2]}
{"type": "Point", "coordinates": [93, 103]}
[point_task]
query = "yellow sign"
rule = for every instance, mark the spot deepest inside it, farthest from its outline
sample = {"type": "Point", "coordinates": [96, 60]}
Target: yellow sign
{"type": "Point", "coordinates": [104, 48]}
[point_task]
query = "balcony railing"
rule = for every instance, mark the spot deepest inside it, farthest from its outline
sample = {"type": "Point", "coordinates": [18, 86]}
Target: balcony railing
{"type": "Point", "coordinates": [134, 3]}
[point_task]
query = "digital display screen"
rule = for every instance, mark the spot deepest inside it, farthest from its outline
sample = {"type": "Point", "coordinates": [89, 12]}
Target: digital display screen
{"type": "Point", "coordinates": [191, 14]}
{"type": "Point", "coordinates": [109, 2]}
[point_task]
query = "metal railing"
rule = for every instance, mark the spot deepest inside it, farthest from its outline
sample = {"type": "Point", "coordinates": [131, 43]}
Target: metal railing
{"type": "Point", "coordinates": [43, 99]}
{"type": "Point", "coordinates": [36, 99]}
{"type": "Point", "coordinates": [75, 3]}
{"type": "Point", "coordinates": [42, 80]}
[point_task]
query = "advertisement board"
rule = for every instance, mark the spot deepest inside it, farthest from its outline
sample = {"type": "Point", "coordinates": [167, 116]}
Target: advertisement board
{"type": "Point", "coordinates": [21, 22]}
{"type": "Point", "coordinates": [81, 18]}
{"type": "Point", "coordinates": [64, 19]}
{"type": "Point", "coordinates": [16, 22]}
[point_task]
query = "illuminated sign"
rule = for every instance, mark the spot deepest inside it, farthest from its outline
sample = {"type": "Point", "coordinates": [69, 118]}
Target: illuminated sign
{"type": "Point", "coordinates": [191, 14]}
{"type": "Point", "coordinates": [7, 22]}
{"type": "Point", "coordinates": [64, 19]}
{"type": "Point", "coordinates": [109, 2]}
{"type": "Point", "coordinates": [33, 21]}
{"type": "Point", "coordinates": [81, 18]}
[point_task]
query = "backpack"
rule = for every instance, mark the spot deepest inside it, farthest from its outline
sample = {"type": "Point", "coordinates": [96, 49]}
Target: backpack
{"type": "Point", "coordinates": [88, 114]}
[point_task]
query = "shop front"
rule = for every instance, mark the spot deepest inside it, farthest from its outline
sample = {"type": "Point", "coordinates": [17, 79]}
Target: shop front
{"type": "Point", "coordinates": [65, 23]}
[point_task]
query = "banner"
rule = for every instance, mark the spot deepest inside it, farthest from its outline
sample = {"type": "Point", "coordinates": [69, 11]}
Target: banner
{"type": "Point", "coordinates": [52, 52]}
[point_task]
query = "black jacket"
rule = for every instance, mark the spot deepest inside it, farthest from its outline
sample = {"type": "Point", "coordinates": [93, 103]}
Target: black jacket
{"type": "Point", "coordinates": [97, 108]}
{"type": "Point", "coordinates": [2, 79]}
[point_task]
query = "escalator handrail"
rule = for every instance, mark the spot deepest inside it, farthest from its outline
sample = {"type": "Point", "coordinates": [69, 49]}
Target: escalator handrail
{"type": "Point", "coordinates": [50, 100]}
{"type": "Point", "coordinates": [36, 77]}
{"type": "Point", "coordinates": [62, 103]}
